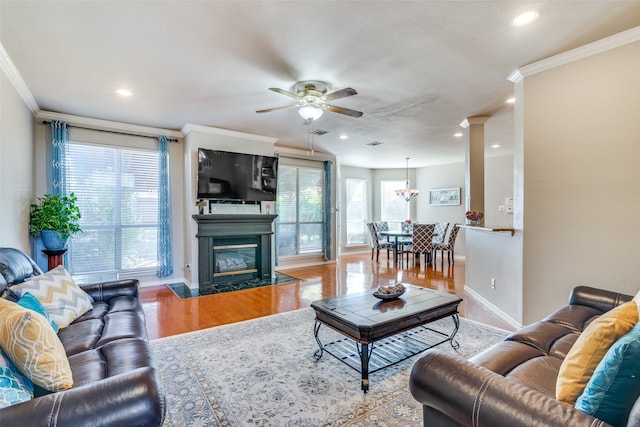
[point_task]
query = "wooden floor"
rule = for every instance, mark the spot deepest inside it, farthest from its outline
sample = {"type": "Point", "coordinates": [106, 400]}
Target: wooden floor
{"type": "Point", "coordinates": [167, 314]}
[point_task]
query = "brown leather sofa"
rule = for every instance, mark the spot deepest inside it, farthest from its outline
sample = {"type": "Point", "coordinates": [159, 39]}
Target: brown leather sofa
{"type": "Point", "coordinates": [115, 381]}
{"type": "Point", "coordinates": [513, 382]}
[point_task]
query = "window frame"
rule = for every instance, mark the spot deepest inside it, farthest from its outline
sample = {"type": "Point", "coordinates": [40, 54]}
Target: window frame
{"type": "Point", "coordinates": [117, 270]}
{"type": "Point", "coordinates": [364, 209]}
{"type": "Point", "coordinates": [298, 224]}
{"type": "Point", "coordinates": [388, 194]}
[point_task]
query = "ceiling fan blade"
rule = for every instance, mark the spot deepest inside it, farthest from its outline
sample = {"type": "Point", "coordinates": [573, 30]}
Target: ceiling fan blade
{"type": "Point", "coordinates": [342, 93]}
{"type": "Point", "coordinates": [266, 110]}
{"type": "Point", "coordinates": [285, 93]}
{"type": "Point", "coordinates": [342, 110]}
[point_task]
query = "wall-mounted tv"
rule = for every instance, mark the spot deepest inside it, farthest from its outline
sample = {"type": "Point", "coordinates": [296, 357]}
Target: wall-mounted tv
{"type": "Point", "coordinates": [224, 175]}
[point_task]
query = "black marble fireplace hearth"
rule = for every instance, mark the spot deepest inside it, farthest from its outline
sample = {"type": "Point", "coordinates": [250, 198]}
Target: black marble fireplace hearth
{"type": "Point", "coordinates": [233, 248]}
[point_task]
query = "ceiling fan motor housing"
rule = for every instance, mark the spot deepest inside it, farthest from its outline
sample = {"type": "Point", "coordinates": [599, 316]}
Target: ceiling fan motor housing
{"type": "Point", "coordinates": [311, 88]}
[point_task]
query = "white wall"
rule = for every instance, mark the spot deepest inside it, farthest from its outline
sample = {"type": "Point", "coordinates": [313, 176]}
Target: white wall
{"type": "Point", "coordinates": [581, 146]}
{"type": "Point", "coordinates": [16, 167]}
{"type": "Point", "coordinates": [437, 177]}
{"type": "Point", "coordinates": [498, 185]}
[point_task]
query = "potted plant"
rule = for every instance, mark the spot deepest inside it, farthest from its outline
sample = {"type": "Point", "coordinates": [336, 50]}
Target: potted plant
{"type": "Point", "coordinates": [55, 218]}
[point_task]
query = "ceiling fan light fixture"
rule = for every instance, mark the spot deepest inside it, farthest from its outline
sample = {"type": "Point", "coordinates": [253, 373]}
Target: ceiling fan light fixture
{"type": "Point", "coordinates": [310, 113]}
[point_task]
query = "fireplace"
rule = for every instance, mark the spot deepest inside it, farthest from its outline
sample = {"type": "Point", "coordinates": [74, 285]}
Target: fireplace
{"type": "Point", "coordinates": [233, 248]}
{"type": "Point", "coordinates": [234, 261]}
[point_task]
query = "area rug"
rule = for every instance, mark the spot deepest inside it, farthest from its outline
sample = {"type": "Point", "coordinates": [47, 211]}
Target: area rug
{"type": "Point", "coordinates": [262, 372]}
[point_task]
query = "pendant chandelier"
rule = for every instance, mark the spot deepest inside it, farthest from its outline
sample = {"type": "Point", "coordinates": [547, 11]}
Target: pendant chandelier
{"type": "Point", "coordinates": [407, 193]}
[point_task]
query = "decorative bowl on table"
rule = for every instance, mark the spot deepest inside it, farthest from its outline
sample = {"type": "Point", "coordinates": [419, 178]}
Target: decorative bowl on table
{"type": "Point", "coordinates": [389, 292]}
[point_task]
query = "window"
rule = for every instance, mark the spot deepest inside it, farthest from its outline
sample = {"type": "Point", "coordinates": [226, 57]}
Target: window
{"type": "Point", "coordinates": [356, 210]}
{"type": "Point", "coordinates": [117, 191]}
{"type": "Point", "coordinates": [394, 208]}
{"type": "Point", "coordinates": [299, 209]}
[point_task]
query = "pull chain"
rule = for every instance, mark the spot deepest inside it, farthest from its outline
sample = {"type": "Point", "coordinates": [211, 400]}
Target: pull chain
{"type": "Point", "coordinates": [310, 138]}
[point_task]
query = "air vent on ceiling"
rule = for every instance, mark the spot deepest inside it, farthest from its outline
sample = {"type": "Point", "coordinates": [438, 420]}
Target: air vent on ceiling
{"type": "Point", "coordinates": [374, 143]}
{"type": "Point", "coordinates": [319, 132]}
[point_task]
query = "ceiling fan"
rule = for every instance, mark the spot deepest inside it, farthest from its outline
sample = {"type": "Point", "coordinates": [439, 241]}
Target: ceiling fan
{"type": "Point", "coordinates": [312, 99]}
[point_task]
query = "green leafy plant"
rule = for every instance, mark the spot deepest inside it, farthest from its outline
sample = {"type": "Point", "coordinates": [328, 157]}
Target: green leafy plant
{"type": "Point", "coordinates": [57, 213]}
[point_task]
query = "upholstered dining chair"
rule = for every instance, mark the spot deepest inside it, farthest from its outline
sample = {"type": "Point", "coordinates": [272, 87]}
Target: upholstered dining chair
{"type": "Point", "coordinates": [447, 246]}
{"type": "Point", "coordinates": [423, 241]}
{"type": "Point", "coordinates": [440, 232]}
{"type": "Point", "coordinates": [381, 226]}
{"type": "Point", "coordinates": [377, 242]}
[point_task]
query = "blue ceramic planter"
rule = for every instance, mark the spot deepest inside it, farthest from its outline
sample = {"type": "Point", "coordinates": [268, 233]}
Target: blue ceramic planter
{"type": "Point", "coordinates": [53, 241]}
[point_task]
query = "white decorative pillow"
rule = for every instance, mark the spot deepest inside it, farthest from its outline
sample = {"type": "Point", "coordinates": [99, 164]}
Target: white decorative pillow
{"type": "Point", "coordinates": [59, 294]}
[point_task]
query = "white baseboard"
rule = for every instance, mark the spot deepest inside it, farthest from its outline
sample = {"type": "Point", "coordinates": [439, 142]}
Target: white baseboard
{"type": "Point", "coordinates": [490, 306]}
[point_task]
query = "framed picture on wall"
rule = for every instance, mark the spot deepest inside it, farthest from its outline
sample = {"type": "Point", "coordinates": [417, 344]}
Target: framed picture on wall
{"type": "Point", "coordinates": [444, 196]}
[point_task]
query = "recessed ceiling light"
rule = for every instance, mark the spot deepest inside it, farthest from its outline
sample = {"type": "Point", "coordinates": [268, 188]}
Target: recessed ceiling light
{"type": "Point", "coordinates": [343, 137]}
{"type": "Point", "coordinates": [510, 101]}
{"type": "Point", "coordinates": [525, 18]}
{"type": "Point", "coordinates": [457, 134]}
{"type": "Point", "coordinates": [124, 92]}
{"type": "Point", "coordinates": [495, 146]}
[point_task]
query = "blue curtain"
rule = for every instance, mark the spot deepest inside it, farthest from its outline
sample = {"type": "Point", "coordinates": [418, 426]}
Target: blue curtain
{"type": "Point", "coordinates": [60, 144]}
{"type": "Point", "coordinates": [165, 256]}
{"type": "Point", "coordinates": [328, 209]}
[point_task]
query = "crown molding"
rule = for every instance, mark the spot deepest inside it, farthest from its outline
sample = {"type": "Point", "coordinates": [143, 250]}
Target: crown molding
{"type": "Point", "coordinates": [515, 76]}
{"type": "Point", "coordinates": [190, 127]}
{"type": "Point", "coordinates": [14, 76]}
{"type": "Point", "coordinates": [108, 125]}
{"type": "Point", "coordinates": [629, 36]}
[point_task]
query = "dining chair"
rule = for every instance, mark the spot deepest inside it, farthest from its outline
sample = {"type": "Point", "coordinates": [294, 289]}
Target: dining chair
{"type": "Point", "coordinates": [440, 232]}
{"type": "Point", "coordinates": [422, 241]}
{"type": "Point", "coordinates": [447, 246]}
{"type": "Point", "coordinates": [381, 226]}
{"type": "Point", "coordinates": [377, 242]}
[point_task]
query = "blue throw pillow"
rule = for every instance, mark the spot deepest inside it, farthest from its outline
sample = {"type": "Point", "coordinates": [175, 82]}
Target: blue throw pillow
{"type": "Point", "coordinates": [30, 302]}
{"type": "Point", "coordinates": [615, 385]}
{"type": "Point", "coordinates": [14, 386]}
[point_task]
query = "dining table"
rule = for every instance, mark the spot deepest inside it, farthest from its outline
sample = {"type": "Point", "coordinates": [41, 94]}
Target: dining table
{"type": "Point", "coordinates": [396, 236]}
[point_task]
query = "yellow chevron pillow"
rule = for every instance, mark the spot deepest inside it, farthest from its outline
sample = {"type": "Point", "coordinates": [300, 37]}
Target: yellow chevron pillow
{"type": "Point", "coordinates": [589, 349]}
{"type": "Point", "coordinates": [59, 294]}
{"type": "Point", "coordinates": [33, 347]}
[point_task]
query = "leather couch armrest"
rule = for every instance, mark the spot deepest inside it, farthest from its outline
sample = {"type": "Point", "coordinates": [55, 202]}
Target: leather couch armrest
{"type": "Point", "coordinates": [129, 399]}
{"type": "Point", "coordinates": [472, 395]}
{"type": "Point", "coordinates": [104, 291]}
{"type": "Point", "coordinates": [599, 299]}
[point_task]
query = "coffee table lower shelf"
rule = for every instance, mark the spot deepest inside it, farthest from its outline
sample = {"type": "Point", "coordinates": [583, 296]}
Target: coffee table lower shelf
{"type": "Point", "coordinates": [389, 351]}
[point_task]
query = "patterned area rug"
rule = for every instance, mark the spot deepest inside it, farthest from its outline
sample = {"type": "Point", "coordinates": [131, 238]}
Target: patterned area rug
{"type": "Point", "coordinates": [262, 373]}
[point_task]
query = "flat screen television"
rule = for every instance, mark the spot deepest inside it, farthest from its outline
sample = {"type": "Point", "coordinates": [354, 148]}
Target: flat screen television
{"type": "Point", "coordinates": [228, 176]}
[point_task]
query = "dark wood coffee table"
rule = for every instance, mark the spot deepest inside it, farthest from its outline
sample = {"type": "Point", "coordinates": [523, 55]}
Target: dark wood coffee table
{"type": "Point", "coordinates": [397, 327]}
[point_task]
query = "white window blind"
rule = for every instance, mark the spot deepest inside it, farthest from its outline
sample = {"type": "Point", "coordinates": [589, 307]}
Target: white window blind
{"type": "Point", "coordinates": [117, 191]}
{"type": "Point", "coordinates": [356, 210]}
{"type": "Point", "coordinates": [299, 208]}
